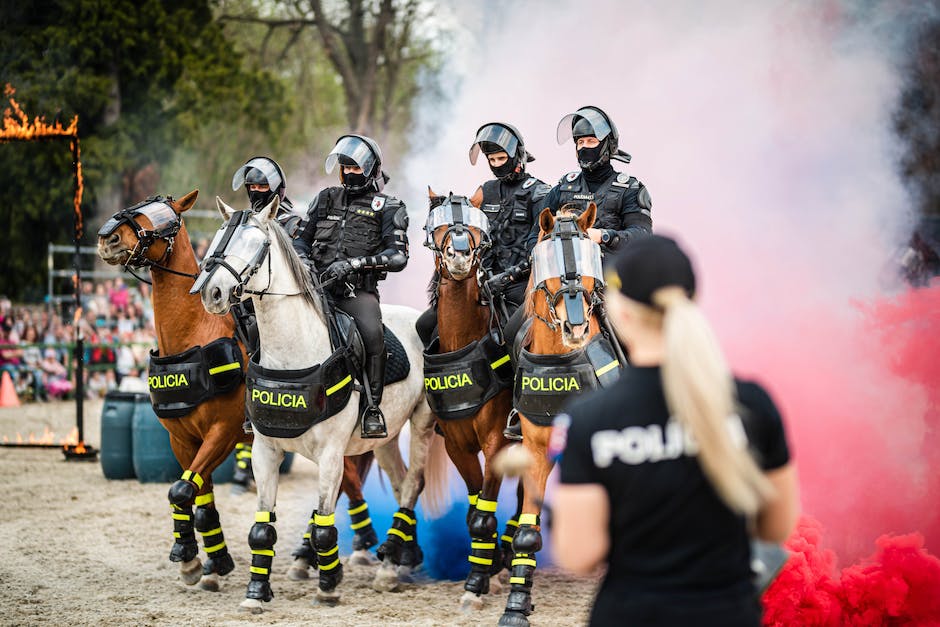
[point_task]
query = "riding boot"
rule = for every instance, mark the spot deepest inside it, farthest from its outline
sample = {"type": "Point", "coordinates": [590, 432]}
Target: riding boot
{"type": "Point", "coordinates": [373, 421]}
{"type": "Point", "coordinates": [513, 430]}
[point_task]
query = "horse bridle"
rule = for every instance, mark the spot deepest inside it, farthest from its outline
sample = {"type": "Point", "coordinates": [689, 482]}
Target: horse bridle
{"type": "Point", "coordinates": [216, 259]}
{"type": "Point", "coordinates": [459, 219]}
{"type": "Point", "coordinates": [147, 237]}
{"type": "Point", "coordinates": [567, 235]}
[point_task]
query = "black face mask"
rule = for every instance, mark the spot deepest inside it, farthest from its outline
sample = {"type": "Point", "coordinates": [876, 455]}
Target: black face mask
{"type": "Point", "coordinates": [589, 156]}
{"type": "Point", "coordinates": [259, 200]}
{"type": "Point", "coordinates": [503, 170]}
{"type": "Point", "coordinates": [355, 181]}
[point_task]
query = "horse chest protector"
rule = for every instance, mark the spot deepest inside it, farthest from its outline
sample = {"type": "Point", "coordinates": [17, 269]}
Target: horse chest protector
{"type": "Point", "coordinates": [179, 383]}
{"type": "Point", "coordinates": [459, 383]}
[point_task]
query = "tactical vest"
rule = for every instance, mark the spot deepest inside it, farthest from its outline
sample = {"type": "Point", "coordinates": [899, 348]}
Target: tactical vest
{"type": "Point", "coordinates": [544, 383]}
{"type": "Point", "coordinates": [179, 383]}
{"type": "Point", "coordinates": [573, 188]}
{"type": "Point", "coordinates": [286, 403]}
{"type": "Point", "coordinates": [459, 383]}
{"type": "Point", "coordinates": [350, 230]}
{"type": "Point", "coordinates": [510, 219]}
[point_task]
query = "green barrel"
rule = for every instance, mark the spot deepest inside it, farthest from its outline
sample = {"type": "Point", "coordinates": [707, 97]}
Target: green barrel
{"type": "Point", "coordinates": [286, 463]}
{"type": "Point", "coordinates": [154, 461]}
{"type": "Point", "coordinates": [116, 435]}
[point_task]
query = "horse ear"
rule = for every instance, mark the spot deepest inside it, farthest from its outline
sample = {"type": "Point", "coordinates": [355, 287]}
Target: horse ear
{"type": "Point", "coordinates": [432, 193]}
{"type": "Point", "coordinates": [587, 217]}
{"type": "Point", "coordinates": [546, 220]}
{"type": "Point", "coordinates": [270, 210]}
{"type": "Point", "coordinates": [226, 211]}
{"type": "Point", "coordinates": [186, 202]}
{"type": "Point", "coordinates": [477, 199]}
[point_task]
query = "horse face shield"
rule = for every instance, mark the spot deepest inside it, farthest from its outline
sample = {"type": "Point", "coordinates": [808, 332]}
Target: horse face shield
{"type": "Point", "coordinates": [240, 247]}
{"type": "Point", "coordinates": [165, 223]}
{"type": "Point", "coordinates": [458, 232]}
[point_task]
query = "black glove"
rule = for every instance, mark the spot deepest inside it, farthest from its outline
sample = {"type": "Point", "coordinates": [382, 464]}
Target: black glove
{"type": "Point", "coordinates": [338, 270]}
{"type": "Point", "coordinates": [497, 283]}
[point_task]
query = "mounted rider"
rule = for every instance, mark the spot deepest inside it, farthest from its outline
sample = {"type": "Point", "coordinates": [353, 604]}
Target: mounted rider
{"type": "Point", "coordinates": [354, 236]}
{"type": "Point", "coordinates": [511, 202]}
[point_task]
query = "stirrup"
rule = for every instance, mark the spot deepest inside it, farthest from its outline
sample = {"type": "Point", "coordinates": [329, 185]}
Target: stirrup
{"type": "Point", "coordinates": [374, 432]}
{"type": "Point", "coordinates": [513, 430]}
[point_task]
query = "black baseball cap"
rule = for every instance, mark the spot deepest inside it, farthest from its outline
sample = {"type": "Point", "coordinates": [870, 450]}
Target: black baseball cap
{"type": "Point", "coordinates": [647, 264]}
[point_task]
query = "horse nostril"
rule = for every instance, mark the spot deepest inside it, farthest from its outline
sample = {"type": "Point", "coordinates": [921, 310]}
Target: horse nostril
{"type": "Point", "coordinates": [114, 239]}
{"type": "Point", "coordinates": [216, 294]}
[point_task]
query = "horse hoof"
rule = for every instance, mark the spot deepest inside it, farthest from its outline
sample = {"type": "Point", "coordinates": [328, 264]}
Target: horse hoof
{"type": "Point", "coordinates": [470, 602]}
{"type": "Point", "coordinates": [251, 605]}
{"type": "Point", "coordinates": [362, 557]}
{"type": "Point", "coordinates": [330, 599]}
{"type": "Point", "coordinates": [496, 586]}
{"type": "Point", "coordinates": [513, 619]}
{"type": "Point", "coordinates": [386, 579]}
{"type": "Point", "coordinates": [210, 582]}
{"type": "Point", "coordinates": [299, 571]}
{"type": "Point", "coordinates": [191, 572]}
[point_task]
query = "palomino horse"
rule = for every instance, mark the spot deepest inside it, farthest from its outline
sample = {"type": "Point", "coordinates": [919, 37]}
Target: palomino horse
{"type": "Point", "coordinates": [565, 355]}
{"type": "Point", "coordinates": [152, 234]}
{"type": "Point", "coordinates": [303, 399]}
{"type": "Point", "coordinates": [468, 378]}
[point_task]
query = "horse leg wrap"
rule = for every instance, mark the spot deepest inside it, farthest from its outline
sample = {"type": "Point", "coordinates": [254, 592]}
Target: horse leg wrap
{"type": "Point", "coordinates": [306, 550]}
{"type": "Point", "coordinates": [361, 524]}
{"type": "Point", "coordinates": [242, 474]}
{"type": "Point", "coordinates": [261, 539]}
{"type": "Point", "coordinates": [525, 544]}
{"type": "Point", "coordinates": [324, 539]}
{"type": "Point", "coordinates": [207, 524]}
{"type": "Point", "coordinates": [483, 540]}
{"type": "Point", "coordinates": [505, 541]}
{"type": "Point", "coordinates": [401, 546]}
{"type": "Point", "coordinates": [184, 548]}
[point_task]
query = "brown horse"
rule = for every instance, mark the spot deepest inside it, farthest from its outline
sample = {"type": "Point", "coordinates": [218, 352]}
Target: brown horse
{"type": "Point", "coordinates": [464, 321]}
{"type": "Point", "coordinates": [562, 320]}
{"type": "Point", "coordinates": [152, 234]}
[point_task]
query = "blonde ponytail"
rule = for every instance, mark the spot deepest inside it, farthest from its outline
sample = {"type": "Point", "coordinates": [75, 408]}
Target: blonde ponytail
{"type": "Point", "coordinates": [699, 391]}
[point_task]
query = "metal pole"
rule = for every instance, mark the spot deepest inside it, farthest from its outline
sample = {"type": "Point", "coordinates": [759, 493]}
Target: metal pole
{"type": "Point", "coordinates": [79, 340]}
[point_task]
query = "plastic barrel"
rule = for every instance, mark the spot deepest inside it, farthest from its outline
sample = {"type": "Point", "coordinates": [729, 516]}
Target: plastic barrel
{"type": "Point", "coordinates": [116, 435]}
{"type": "Point", "coordinates": [286, 463]}
{"type": "Point", "coordinates": [154, 461]}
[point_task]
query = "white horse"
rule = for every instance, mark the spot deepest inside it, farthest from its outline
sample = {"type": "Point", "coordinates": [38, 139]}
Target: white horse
{"type": "Point", "coordinates": [259, 261]}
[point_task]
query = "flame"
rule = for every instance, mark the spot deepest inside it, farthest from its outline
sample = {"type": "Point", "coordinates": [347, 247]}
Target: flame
{"type": "Point", "coordinates": [48, 436]}
{"type": "Point", "coordinates": [16, 124]}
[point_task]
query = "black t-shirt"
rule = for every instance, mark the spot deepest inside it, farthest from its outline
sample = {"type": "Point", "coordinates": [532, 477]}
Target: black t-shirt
{"type": "Point", "coordinates": [678, 554]}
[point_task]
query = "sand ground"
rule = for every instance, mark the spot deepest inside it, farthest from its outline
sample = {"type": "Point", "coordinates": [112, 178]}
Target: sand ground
{"type": "Point", "coordinates": [79, 549]}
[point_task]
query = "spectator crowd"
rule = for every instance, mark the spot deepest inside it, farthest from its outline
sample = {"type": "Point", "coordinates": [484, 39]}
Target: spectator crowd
{"type": "Point", "coordinates": [116, 321]}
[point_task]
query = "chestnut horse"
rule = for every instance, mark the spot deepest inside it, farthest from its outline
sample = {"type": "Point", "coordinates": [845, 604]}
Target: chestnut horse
{"type": "Point", "coordinates": [154, 236]}
{"type": "Point", "coordinates": [564, 289]}
{"type": "Point", "coordinates": [457, 234]}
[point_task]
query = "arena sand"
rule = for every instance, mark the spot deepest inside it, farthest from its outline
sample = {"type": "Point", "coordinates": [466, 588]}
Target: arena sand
{"type": "Point", "coordinates": [79, 549]}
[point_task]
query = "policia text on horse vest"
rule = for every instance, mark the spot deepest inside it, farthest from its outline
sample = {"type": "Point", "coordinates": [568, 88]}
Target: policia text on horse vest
{"type": "Point", "coordinates": [353, 230]}
{"type": "Point", "coordinates": [459, 383]}
{"type": "Point", "coordinates": [179, 383]}
{"type": "Point", "coordinates": [544, 383]}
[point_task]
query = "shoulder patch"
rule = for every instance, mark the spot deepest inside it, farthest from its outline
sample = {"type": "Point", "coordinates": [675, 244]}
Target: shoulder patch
{"type": "Point", "coordinates": [572, 176]}
{"type": "Point", "coordinates": [378, 202]}
{"type": "Point", "coordinates": [622, 178]}
{"type": "Point", "coordinates": [529, 182]}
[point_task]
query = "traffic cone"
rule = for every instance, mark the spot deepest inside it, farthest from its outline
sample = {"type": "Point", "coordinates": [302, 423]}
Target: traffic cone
{"type": "Point", "coordinates": [8, 397]}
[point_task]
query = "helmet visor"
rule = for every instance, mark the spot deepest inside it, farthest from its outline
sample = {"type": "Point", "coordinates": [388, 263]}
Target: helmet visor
{"type": "Point", "coordinates": [265, 166]}
{"type": "Point", "coordinates": [598, 123]}
{"type": "Point", "coordinates": [354, 149]}
{"type": "Point", "coordinates": [494, 134]}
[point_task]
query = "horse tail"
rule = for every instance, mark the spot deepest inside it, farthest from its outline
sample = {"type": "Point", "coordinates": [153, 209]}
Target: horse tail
{"type": "Point", "coordinates": [436, 475]}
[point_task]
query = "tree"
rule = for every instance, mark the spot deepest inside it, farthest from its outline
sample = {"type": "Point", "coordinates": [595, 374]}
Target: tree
{"type": "Point", "coordinates": [142, 76]}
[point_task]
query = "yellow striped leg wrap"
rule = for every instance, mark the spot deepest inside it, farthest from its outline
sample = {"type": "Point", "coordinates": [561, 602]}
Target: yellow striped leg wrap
{"type": "Point", "coordinates": [265, 517]}
{"type": "Point", "coordinates": [352, 511]}
{"type": "Point", "coordinates": [511, 527]}
{"type": "Point", "coordinates": [359, 525]}
{"type": "Point", "coordinates": [401, 534]}
{"type": "Point", "coordinates": [359, 516]}
{"type": "Point", "coordinates": [327, 520]}
{"type": "Point", "coordinates": [529, 519]}
{"type": "Point", "coordinates": [472, 498]}
{"type": "Point", "coordinates": [215, 547]}
{"type": "Point", "coordinates": [261, 560]}
{"type": "Point", "coordinates": [205, 499]}
{"type": "Point", "coordinates": [408, 519]}
{"type": "Point", "coordinates": [486, 506]}
{"type": "Point", "coordinates": [329, 566]}
{"type": "Point", "coordinates": [189, 475]}
{"type": "Point", "coordinates": [520, 574]}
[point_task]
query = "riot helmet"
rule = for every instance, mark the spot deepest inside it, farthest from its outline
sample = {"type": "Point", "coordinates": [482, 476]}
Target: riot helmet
{"type": "Point", "coordinates": [358, 151]}
{"type": "Point", "coordinates": [261, 171]}
{"type": "Point", "coordinates": [500, 137]}
{"type": "Point", "coordinates": [591, 121]}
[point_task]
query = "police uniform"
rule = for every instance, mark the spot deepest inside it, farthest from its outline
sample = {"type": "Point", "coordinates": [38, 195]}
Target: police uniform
{"type": "Point", "coordinates": [364, 232]}
{"type": "Point", "coordinates": [679, 555]}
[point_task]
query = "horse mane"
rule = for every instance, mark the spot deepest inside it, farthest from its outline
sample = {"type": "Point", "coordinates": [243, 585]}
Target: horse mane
{"type": "Point", "coordinates": [434, 288]}
{"type": "Point", "coordinates": [296, 266]}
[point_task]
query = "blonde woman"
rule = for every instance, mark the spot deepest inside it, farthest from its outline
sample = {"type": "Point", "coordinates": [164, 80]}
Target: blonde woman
{"type": "Point", "coordinates": [667, 475]}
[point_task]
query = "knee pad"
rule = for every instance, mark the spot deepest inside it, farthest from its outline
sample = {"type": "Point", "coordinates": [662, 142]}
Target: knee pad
{"type": "Point", "coordinates": [262, 536]}
{"type": "Point", "coordinates": [528, 539]}
{"type": "Point", "coordinates": [181, 492]}
{"type": "Point", "coordinates": [206, 519]}
{"type": "Point", "coordinates": [325, 537]}
{"type": "Point", "coordinates": [482, 524]}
